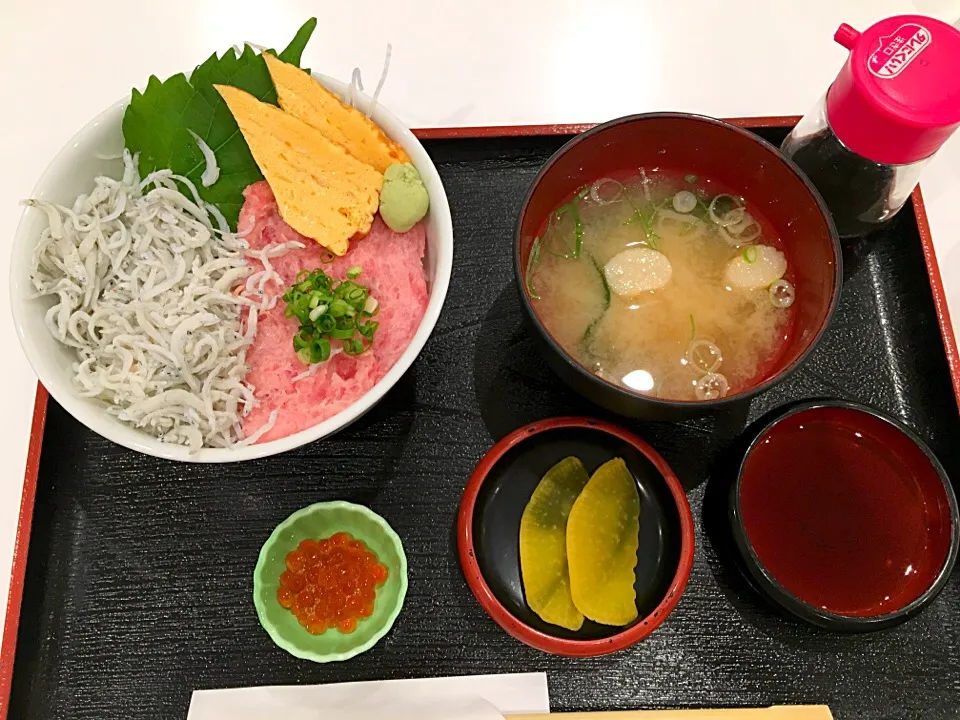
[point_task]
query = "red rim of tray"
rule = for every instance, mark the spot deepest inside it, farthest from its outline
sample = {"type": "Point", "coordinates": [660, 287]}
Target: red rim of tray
{"type": "Point", "coordinates": [516, 627]}
{"type": "Point", "coordinates": [22, 538]}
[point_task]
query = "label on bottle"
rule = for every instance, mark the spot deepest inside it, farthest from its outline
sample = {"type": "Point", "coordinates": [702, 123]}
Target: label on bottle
{"type": "Point", "coordinates": [898, 49]}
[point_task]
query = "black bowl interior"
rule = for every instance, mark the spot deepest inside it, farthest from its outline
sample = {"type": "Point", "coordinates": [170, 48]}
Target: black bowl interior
{"type": "Point", "coordinates": [507, 489]}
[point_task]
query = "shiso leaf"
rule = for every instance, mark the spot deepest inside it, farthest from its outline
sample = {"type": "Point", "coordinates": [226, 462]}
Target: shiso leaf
{"type": "Point", "coordinates": [292, 53]}
{"type": "Point", "coordinates": [158, 122]}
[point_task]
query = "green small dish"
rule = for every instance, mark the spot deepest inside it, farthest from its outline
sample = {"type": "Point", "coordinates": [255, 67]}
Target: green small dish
{"type": "Point", "coordinates": [318, 521]}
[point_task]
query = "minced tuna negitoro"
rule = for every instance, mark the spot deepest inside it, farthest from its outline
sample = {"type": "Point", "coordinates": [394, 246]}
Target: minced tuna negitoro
{"type": "Point", "coordinates": [391, 267]}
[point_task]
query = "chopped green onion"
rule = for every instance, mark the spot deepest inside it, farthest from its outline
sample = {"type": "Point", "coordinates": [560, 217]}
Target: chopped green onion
{"type": "Point", "coordinates": [355, 294]}
{"type": "Point", "coordinates": [586, 341]}
{"type": "Point", "coordinates": [320, 350]}
{"type": "Point", "coordinates": [325, 324]}
{"type": "Point", "coordinates": [750, 255]}
{"type": "Point", "coordinates": [572, 209]}
{"type": "Point", "coordinates": [580, 195]}
{"type": "Point", "coordinates": [693, 328]}
{"type": "Point", "coordinates": [578, 230]}
{"type": "Point", "coordinates": [344, 334]}
{"type": "Point", "coordinates": [353, 347]}
{"type": "Point", "coordinates": [647, 224]}
{"type": "Point", "coordinates": [603, 281]}
{"type": "Point", "coordinates": [533, 261]}
{"type": "Point", "coordinates": [328, 310]}
{"type": "Point", "coordinates": [339, 308]}
{"type": "Point", "coordinates": [303, 338]}
{"type": "Point", "coordinates": [691, 179]}
{"type": "Point", "coordinates": [354, 271]}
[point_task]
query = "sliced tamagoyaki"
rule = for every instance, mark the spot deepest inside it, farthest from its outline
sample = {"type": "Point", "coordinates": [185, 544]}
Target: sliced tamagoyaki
{"type": "Point", "coordinates": [308, 100]}
{"type": "Point", "coordinates": [322, 191]}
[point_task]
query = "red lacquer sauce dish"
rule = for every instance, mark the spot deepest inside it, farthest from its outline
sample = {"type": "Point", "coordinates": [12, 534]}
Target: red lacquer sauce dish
{"type": "Point", "coordinates": [843, 517]}
{"type": "Point", "coordinates": [488, 531]}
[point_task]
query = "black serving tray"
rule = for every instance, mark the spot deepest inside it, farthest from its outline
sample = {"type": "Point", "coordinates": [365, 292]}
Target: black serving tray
{"type": "Point", "coordinates": [139, 573]}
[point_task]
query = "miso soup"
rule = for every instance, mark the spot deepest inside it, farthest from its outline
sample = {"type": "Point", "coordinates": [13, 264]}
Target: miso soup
{"type": "Point", "coordinates": [663, 284]}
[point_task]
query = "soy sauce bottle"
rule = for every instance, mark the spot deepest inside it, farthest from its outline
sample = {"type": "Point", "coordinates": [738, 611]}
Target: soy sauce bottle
{"type": "Point", "coordinates": [894, 103]}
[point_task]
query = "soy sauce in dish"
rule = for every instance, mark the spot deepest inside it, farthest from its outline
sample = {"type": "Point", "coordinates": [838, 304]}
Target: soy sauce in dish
{"type": "Point", "coordinates": [840, 507]}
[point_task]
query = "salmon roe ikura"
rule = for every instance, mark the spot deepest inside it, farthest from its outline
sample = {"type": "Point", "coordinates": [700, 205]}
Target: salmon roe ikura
{"type": "Point", "coordinates": [331, 583]}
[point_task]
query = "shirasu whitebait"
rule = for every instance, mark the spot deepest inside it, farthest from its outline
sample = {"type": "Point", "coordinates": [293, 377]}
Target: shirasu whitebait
{"type": "Point", "coordinates": [156, 296]}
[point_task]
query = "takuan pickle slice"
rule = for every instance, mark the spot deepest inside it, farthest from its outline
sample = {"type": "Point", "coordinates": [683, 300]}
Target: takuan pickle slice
{"type": "Point", "coordinates": [602, 541]}
{"type": "Point", "coordinates": [543, 540]}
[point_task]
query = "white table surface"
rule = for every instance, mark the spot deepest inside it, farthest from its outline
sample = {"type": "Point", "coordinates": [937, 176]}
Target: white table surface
{"type": "Point", "coordinates": [455, 62]}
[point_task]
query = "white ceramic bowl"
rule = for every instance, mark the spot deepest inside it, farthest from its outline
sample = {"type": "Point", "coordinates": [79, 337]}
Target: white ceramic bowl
{"type": "Point", "coordinates": [72, 172]}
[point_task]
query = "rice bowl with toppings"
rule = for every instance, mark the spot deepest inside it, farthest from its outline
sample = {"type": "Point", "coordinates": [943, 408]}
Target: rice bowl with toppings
{"type": "Point", "coordinates": [73, 173]}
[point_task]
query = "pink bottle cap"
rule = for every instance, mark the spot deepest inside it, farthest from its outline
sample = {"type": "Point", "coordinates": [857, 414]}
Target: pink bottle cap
{"type": "Point", "coordinates": [897, 98]}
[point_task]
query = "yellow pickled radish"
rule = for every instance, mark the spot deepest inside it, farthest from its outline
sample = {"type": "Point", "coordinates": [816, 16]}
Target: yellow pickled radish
{"type": "Point", "coordinates": [602, 541]}
{"type": "Point", "coordinates": [543, 540]}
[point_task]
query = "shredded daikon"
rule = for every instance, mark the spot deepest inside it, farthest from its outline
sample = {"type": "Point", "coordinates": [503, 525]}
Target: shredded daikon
{"type": "Point", "coordinates": [310, 371]}
{"type": "Point", "coordinates": [211, 173]}
{"type": "Point", "coordinates": [146, 286]}
{"type": "Point", "coordinates": [351, 97]}
{"type": "Point", "coordinates": [606, 190]}
{"type": "Point", "coordinates": [356, 85]}
{"type": "Point", "coordinates": [383, 79]}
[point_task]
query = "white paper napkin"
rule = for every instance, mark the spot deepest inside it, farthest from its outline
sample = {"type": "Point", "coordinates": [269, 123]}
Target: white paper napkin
{"type": "Point", "coordinates": [471, 697]}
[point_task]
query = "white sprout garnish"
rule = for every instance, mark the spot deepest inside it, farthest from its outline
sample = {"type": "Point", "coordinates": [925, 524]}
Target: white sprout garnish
{"type": "Point", "coordinates": [383, 79]}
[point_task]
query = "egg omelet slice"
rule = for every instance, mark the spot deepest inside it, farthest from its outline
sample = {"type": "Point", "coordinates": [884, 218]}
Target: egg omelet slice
{"type": "Point", "coordinates": [307, 99]}
{"type": "Point", "coordinates": [322, 191]}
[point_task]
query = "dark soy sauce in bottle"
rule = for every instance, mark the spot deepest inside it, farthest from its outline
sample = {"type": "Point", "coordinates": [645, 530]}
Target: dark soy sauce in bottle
{"type": "Point", "coordinates": [895, 101]}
